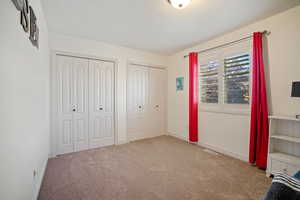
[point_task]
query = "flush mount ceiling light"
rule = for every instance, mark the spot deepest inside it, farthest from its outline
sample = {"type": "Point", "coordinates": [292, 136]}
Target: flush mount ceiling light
{"type": "Point", "coordinates": [179, 4]}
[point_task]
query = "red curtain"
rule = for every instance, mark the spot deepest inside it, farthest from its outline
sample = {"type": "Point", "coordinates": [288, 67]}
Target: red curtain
{"type": "Point", "coordinates": [193, 98]}
{"type": "Point", "coordinates": [259, 130]}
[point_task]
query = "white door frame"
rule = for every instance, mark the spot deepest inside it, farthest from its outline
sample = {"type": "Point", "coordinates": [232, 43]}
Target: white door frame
{"type": "Point", "coordinates": [132, 62]}
{"type": "Point", "coordinates": [53, 114]}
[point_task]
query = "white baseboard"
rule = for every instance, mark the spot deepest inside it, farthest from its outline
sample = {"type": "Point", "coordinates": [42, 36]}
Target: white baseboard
{"type": "Point", "coordinates": [224, 151]}
{"type": "Point", "coordinates": [120, 142]}
{"type": "Point", "coordinates": [215, 148]}
{"type": "Point", "coordinates": [40, 178]}
{"type": "Point", "coordinates": [124, 141]}
{"type": "Point", "coordinates": [178, 136]}
{"type": "Point", "coordinates": [146, 137]}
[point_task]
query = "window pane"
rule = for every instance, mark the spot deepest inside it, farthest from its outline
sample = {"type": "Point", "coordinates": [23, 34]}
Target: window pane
{"type": "Point", "coordinates": [236, 79]}
{"type": "Point", "coordinates": [209, 82]}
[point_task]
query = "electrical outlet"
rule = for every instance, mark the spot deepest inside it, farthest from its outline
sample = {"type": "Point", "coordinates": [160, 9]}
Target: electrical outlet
{"type": "Point", "coordinates": [35, 173]}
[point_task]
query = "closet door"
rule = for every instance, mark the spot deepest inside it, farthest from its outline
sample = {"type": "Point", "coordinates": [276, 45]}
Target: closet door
{"type": "Point", "coordinates": [64, 105]}
{"type": "Point", "coordinates": [101, 106]}
{"type": "Point", "coordinates": [157, 91]}
{"type": "Point", "coordinates": [137, 102]}
{"type": "Point", "coordinates": [80, 103]}
{"type": "Point", "coordinates": [72, 104]}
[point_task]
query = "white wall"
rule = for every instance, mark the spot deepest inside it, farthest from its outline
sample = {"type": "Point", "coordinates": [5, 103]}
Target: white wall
{"type": "Point", "coordinates": [24, 105]}
{"type": "Point", "coordinates": [226, 132]}
{"type": "Point", "coordinates": [121, 54]}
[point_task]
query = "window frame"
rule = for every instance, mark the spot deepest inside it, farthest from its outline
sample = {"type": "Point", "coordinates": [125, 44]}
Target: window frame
{"type": "Point", "coordinates": [219, 55]}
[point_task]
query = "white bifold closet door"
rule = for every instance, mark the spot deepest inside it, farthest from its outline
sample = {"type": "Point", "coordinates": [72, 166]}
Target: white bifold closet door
{"type": "Point", "coordinates": [137, 102]}
{"type": "Point", "coordinates": [145, 102]}
{"type": "Point", "coordinates": [72, 104]}
{"type": "Point", "coordinates": [84, 104]}
{"type": "Point", "coordinates": [101, 103]}
{"type": "Point", "coordinates": [157, 93]}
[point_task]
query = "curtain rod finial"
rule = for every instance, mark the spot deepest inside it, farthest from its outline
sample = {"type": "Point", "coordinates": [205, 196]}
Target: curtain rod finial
{"type": "Point", "coordinates": [266, 32]}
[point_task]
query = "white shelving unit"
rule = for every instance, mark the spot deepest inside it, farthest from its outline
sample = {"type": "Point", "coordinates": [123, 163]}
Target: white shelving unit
{"type": "Point", "coordinates": [284, 145]}
{"type": "Point", "coordinates": [286, 138]}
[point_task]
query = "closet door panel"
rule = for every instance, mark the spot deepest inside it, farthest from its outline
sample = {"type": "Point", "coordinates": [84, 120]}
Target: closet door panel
{"type": "Point", "coordinates": [132, 91]}
{"type": "Point", "coordinates": [137, 102]}
{"type": "Point", "coordinates": [109, 127]}
{"type": "Point", "coordinates": [64, 86]}
{"type": "Point", "coordinates": [80, 100]}
{"type": "Point", "coordinates": [101, 84]}
{"type": "Point", "coordinates": [66, 129]}
{"type": "Point", "coordinates": [160, 106]}
{"type": "Point", "coordinates": [109, 89]}
{"type": "Point", "coordinates": [157, 101]}
{"type": "Point", "coordinates": [64, 136]}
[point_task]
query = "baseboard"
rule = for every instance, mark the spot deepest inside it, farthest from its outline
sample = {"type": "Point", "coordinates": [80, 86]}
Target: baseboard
{"type": "Point", "coordinates": [146, 137]}
{"type": "Point", "coordinates": [40, 180]}
{"type": "Point", "coordinates": [178, 136]}
{"type": "Point", "coordinates": [224, 151]}
{"type": "Point", "coordinates": [214, 148]}
{"type": "Point", "coordinates": [120, 142]}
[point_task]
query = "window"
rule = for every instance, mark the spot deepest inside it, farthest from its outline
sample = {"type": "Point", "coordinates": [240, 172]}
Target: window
{"type": "Point", "coordinates": [224, 78]}
{"type": "Point", "coordinates": [236, 79]}
{"type": "Point", "coordinates": [209, 86]}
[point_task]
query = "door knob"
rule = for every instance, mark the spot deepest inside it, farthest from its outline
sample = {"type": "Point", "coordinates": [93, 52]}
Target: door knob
{"type": "Point", "coordinates": [157, 106]}
{"type": "Point", "coordinates": [100, 108]}
{"type": "Point", "coordinates": [74, 109]}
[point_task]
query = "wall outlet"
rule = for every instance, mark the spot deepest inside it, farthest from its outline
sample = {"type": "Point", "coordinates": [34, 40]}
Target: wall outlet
{"type": "Point", "coordinates": [35, 173]}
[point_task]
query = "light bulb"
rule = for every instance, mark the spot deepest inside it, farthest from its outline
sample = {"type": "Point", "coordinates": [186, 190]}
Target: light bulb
{"type": "Point", "coordinates": [179, 4]}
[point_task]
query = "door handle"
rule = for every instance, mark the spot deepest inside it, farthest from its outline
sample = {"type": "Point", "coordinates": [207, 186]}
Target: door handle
{"type": "Point", "coordinates": [140, 106]}
{"type": "Point", "coordinates": [74, 110]}
{"type": "Point", "coordinates": [100, 108]}
{"type": "Point", "coordinates": [157, 106]}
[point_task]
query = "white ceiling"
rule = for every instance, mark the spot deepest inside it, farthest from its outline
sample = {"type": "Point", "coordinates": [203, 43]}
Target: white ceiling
{"type": "Point", "coordinates": [153, 25]}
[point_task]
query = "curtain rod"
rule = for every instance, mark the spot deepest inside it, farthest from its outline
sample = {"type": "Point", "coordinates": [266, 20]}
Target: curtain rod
{"type": "Point", "coordinates": [229, 43]}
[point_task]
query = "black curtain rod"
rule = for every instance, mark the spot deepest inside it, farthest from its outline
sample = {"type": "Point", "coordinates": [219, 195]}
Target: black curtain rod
{"type": "Point", "coordinates": [229, 43]}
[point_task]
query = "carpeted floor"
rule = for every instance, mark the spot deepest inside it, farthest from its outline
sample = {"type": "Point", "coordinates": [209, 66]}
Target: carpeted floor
{"type": "Point", "coordinates": [162, 168]}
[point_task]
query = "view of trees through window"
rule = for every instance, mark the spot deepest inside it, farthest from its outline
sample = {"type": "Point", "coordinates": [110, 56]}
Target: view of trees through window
{"type": "Point", "coordinates": [209, 82]}
{"type": "Point", "coordinates": [236, 79]}
{"type": "Point", "coordinates": [234, 73]}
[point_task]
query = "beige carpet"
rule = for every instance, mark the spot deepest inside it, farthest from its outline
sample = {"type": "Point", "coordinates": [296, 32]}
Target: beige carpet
{"type": "Point", "coordinates": [162, 168]}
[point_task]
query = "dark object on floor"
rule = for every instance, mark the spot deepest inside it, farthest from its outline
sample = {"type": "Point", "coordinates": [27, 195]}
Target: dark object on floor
{"type": "Point", "coordinates": [284, 187]}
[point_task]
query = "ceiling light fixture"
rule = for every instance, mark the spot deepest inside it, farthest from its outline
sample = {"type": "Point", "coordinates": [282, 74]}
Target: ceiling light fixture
{"type": "Point", "coordinates": [179, 4]}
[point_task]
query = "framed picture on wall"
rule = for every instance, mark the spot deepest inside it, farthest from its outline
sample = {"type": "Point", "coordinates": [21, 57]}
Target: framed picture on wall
{"type": "Point", "coordinates": [179, 83]}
